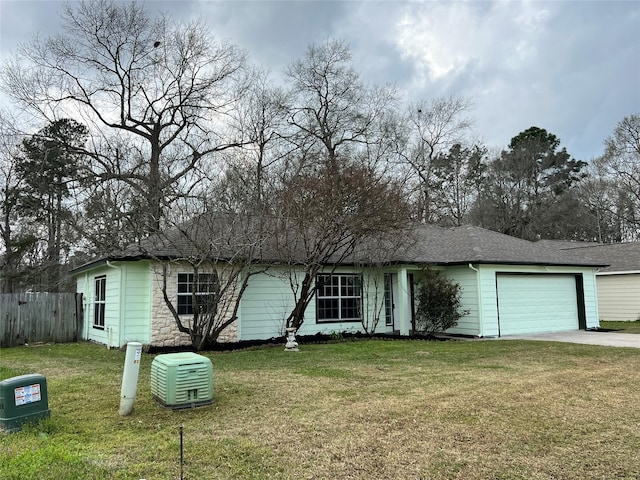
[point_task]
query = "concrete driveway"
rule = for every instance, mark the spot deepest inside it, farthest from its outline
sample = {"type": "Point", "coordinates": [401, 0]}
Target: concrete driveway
{"type": "Point", "coordinates": [609, 339]}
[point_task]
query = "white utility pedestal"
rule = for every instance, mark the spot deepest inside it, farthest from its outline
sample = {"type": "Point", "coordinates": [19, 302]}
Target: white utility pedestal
{"type": "Point", "coordinates": [130, 377]}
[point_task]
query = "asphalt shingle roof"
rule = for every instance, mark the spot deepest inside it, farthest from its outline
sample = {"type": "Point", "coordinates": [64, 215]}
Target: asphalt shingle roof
{"type": "Point", "coordinates": [469, 244]}
{"type": "Point", "coordinates": [620, 257]}
{"type": "Point", "coordinates": [425, 244]}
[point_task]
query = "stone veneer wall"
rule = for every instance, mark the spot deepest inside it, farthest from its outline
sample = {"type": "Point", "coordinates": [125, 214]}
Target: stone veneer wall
{"type": "Point", "coordinates": [164, 331]}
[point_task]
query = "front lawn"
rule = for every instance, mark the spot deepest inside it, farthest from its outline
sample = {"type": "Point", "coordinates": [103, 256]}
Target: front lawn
{"type": "Point", "coordinates": [623, 327]}
{"type": "Point", "coordinates": [353, 410]}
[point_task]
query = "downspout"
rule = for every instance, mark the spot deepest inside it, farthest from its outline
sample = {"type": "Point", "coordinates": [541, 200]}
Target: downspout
{"type": "Point", "coordinates": [87, 321]}
{"type": "Point", "coordinates": [120, 316]}
{"type": "Point", "coordinates": [404, 307]}
{"type": "Point", "coordinates": [480, 321]}
{"type": "Point", "coordinates": [594, 292]}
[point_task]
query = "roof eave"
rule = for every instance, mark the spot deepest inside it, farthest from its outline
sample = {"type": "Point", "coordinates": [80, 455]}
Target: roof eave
{"type": "Point", "coordinates": [528, 263]}
{"type": "Point", "coordinates": [104, 261]}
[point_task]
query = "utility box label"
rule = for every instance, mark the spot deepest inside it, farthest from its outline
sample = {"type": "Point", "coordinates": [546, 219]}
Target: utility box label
{"type": "Point", "coordinates": [27, 394]}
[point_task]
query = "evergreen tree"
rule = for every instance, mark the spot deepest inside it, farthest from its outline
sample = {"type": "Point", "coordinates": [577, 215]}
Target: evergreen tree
{"type": "Point", "coordinates": [527, 186]}
{"type": "Point", "coordinates": [47, 168]}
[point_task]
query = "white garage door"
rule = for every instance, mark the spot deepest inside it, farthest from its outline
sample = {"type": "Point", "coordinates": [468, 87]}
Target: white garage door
{"type": "Point", "coordinates": [537, 303]}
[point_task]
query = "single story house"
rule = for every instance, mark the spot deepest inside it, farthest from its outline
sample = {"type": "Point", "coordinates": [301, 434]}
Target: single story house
{"type": "Point", "coordinates": [618, 283]}
{"type": "Point", "coordinates": [508, 286]}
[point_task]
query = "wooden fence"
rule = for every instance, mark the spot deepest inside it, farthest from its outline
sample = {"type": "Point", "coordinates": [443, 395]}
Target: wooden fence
{"type": "Point", "coordinates": [40, 317]}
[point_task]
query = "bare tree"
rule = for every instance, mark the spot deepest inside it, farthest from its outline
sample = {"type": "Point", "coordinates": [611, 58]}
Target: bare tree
{"type": "Point", "coordinates": [323, 218]}
{"type": "Point", "coordinates": [458, 175]}
{"type": "Point", "coordinates": [260, 118]}
{"type": "Point", "coordinates": [332, 111]}
{"type": "Point", "coordinates": [620, 167]}
{"type": "Point", "coordinates": [332, 192]}
{"type": "Point", "coordinates": [211, 259]}
{"type": "Point", "coordinates": [373, 290]}
{"type": "Point", "coordinates": [433, 127]}
{"type": "Point", "coordinates": [377, 253]}
{"type": "Point", "coordinates": [155, 83]}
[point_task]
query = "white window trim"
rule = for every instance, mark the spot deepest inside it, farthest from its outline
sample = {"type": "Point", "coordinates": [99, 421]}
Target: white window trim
{"type": "Point", "coordinates": [320, 296]}
{"type": "Point", "coordinates": [99, 301]}
{"type": "Point", "coordinates": [189, 293]}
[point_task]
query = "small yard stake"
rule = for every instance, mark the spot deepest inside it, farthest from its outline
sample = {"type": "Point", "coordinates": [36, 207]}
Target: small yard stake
{"type": "Point", "coordinates": [181, 454]}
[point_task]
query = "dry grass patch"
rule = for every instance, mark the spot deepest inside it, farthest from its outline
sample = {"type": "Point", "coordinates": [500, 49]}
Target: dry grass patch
{"type": "Point", "coordinates": [360, 410]}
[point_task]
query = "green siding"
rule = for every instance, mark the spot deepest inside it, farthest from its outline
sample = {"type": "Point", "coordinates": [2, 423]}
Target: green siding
{"type": "Point", "coordinates": [268, 301]}
{"type": "Point", "coordinates": [265, 304]}
{"type": "Point", "coordinates": [136, 311]}
{"type": "Point", "coordinates": [591, 297]}
{"type": "Point", "coordinates": [86, 285]}
{"type": "Point", "coordinates": [127, 309]}
{"type": "Point", "coordinates": [468, 281]}
{"type": "Point", "coordinates": [112, 310]}
{"type": "Point", "coordinates": [373, 300]}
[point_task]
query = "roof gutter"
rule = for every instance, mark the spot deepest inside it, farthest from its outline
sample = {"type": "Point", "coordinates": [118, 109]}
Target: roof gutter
{"type": "Point", "coordinates": [619, 272]}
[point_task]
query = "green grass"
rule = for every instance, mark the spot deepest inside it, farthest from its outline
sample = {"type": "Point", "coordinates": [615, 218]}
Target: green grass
{"type": "Point", "coordinates": [623, 327]}
{"type": "Point", "coordinates": [358, 410]}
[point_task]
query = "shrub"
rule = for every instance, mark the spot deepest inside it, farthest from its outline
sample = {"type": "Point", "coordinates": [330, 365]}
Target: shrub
{"type": "Point", "coordinates": [438, 303]}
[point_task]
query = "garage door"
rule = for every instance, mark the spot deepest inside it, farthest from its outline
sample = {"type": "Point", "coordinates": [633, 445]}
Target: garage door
{"type": "Point", "coordinates": [536, 303]}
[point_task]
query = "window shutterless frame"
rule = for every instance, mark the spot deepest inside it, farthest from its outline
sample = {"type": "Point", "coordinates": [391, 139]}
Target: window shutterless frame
{"type": "Point", "coordinates": [388, 300]}
{"type": "Point", "coordinates": [204, 288]}
{"type": "Point", "coordinates": [338, 298]}
{"type": "Point", "coordinates": [100, 301]}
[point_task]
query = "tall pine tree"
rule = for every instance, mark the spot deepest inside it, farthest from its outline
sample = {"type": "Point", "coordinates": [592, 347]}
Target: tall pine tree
{"type": "Point", "coordinates": [47, 168]}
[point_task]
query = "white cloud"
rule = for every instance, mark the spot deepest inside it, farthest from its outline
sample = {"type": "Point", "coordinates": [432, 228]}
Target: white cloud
{"type": "Point", "coordinates": [442, 39]}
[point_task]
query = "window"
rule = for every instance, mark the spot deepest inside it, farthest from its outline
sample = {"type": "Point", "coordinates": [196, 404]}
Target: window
{"type": "Point", "coordinates": [205, 292]}
{"type": "Point", "coordinates": [388, 300]}
{"type": "Point", "coordinates": [339, 298]}
{"type": "Point", "coordinates": [100, 301]}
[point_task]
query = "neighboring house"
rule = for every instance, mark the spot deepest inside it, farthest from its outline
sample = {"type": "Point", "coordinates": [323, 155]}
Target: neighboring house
{"type": "Point", "coordinates": [619, 283]}
{"type": "Point", "coordinates": [509, 286]}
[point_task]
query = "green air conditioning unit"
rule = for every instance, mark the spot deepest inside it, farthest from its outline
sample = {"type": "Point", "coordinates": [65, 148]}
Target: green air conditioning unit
{"type": "Point", "coordinates": [23, 399]}
{"type": "Point", "coordinates": [182, 380]}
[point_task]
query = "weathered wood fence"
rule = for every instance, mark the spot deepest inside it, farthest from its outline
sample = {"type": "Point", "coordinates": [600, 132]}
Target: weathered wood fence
{"type": "Point", "coordinates": [40, 317]}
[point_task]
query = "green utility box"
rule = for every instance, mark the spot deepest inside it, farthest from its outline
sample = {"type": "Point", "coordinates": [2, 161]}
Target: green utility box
{"type": "Point", "coordinates": [182, 380]}
{"type": "Point", "coordinates": [23, 399]}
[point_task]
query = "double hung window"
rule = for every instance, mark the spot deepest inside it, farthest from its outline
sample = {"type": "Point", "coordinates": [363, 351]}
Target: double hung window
{"type": "Point", "coordinates": [100, 301]}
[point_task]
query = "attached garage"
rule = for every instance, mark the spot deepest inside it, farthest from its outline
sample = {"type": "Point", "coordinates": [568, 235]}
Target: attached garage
{"type": "Point", "coordinates": [537, 303]}
{"type": "Point", "coordinates": [618, 279]}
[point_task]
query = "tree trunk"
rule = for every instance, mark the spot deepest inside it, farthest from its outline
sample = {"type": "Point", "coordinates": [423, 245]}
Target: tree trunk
{"type": "Point", "coordinates": [154, 185]}
{"type": "Point", "coordinates": [307, 290]}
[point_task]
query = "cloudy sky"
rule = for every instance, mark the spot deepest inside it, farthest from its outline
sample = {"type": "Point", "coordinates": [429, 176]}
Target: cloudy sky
{"type": "Point", "coordinates": [570, 67]}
